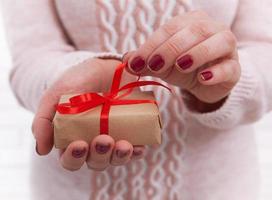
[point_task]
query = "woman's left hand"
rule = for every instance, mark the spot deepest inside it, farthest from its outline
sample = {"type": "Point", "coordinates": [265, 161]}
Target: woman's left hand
{"type": "Point", "coordinates": [192, 51]}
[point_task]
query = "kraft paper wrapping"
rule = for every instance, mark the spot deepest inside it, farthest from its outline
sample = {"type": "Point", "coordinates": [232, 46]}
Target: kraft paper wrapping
{"type": "Point", "coordinates": [140, 124]}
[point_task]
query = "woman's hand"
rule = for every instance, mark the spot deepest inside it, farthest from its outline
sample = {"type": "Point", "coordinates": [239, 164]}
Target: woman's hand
{"type": "Point", "coordinates": [92, 75]}
{"type": "Point", "coordinates": [193, 52]}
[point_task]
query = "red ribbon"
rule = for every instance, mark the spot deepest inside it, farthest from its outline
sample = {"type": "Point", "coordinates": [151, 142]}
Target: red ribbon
{"type": "Point", "coordinates": [84, 102]}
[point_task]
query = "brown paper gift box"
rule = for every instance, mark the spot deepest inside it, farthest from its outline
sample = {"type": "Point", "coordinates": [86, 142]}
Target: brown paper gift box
{"type": "Point", "coordinates": [140, 124]}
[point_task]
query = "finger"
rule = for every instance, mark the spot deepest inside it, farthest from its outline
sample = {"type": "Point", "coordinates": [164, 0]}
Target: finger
{"type": "Point", "coordinates": [121, 153]}
{"type": "Point", "coordinates": [138, 152]}
{"type": "Point", "coordinates": [137, 62]}
{"type": "Point", "coordinates": [75, 155]}
{"type": "Point", "coordinates": [163, 58]}
{"type": "Point", "coordinates": [42, 126]}
{"type": "Point", "coordinates": [100, 152]}
{"type": "Point", "coordinates": [220, 45]}
{"type": "Point", "coordinates": [227, 72]}
{"type": "Point", "coordinates": [125, 59]}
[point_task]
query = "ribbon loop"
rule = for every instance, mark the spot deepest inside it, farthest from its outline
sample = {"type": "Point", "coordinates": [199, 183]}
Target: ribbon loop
{"type": "Point", "coordinates": [84, 98]}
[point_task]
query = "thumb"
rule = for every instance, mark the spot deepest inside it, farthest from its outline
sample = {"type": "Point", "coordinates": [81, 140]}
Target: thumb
{"type": "Point", "coordinates": [42, 126]}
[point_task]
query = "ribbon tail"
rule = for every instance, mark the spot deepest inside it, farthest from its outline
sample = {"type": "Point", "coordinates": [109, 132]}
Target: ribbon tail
{"type": "Point", "coordinates": [117, 78]}
{"type": "Point", "coordinates": [142, 83]}
{"type": "Point", "coordinates": [104, 118]}
{"type": "Point", "coordinates": [133, 101]}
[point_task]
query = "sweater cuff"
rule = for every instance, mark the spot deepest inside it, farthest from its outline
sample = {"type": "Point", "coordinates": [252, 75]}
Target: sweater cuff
{"type": "Point", "coordinates": [240, 106]}
{"type": "Point", "coordinates": [74, 58]}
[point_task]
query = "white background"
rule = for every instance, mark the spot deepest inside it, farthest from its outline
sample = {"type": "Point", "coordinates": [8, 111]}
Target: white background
{"type": "Point", "coordinates": [16, 142]}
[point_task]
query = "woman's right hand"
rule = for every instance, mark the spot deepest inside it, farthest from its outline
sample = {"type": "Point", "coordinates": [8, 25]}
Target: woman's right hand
{"type": "Point", "coordinates": [92, 75]}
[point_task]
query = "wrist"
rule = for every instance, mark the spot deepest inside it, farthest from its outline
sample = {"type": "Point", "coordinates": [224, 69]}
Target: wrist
{"type": "Point", "coordinates": [196, 105]}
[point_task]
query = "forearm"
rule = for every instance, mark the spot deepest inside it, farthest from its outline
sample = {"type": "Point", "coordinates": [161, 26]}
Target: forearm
{"type": "Point", "coordinates": [39, 48]}
{"type": "Point", "coordinates": [32, 76]}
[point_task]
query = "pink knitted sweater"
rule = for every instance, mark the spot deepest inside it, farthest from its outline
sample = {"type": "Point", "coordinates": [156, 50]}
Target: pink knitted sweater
{"type": "Point", "coordinates": [203, 156]}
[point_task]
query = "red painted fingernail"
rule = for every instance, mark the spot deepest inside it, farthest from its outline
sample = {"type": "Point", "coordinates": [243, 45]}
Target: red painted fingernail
{"type": "Point", "coordinates": [156, 63]}
{"type": "Point", "coordinates": [79, 153]}
{"type": "Point", "coordinates": [121, 154]}
{"type": "Point", "coordinates": [137, 64]}
{"type": "Point", "coordinates": [185, 62]}
{"type": "Point", "coordinates": [137, 152]}
{"type": "Point", "coordinates": [102, 148]}
{"type": "Point", "coordinates": [206, 75]}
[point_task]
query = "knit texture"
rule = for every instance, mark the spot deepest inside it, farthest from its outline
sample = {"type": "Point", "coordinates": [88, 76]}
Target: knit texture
{"type": "Point", "coordinates": [123, 27]}
{"type": "Point", "coordinates": [202, 154]}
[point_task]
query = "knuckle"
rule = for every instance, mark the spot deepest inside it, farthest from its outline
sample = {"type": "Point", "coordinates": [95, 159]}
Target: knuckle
{"type": "Point", "coordinates": [96, 167]}
{"type": "Point", "coordinates": [204, 51]}
{"type": "Point", "coordinates": [225, 72]}
{"type": "Point", "coordinates": [170, 28]}
{"type": "Point", "coordinates": [229, 39]}
{"type": "Point", "coordinates": [70, 168]}
{"type": "Point", "coordinates": [149, 46]}
{"type": "Point", "coordinates": [229, 71]}
{"type": "Point", "coordinates": [200, 29]}
{"type": "Point", "coordinates": [174, 46]}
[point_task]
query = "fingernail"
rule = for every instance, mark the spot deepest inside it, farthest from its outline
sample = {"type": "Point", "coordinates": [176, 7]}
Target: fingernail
{"type": "Point", "coordinates": [36, 148]}
{"type": "Point", "coordinates": [137, 152]}
{"type": "Point", "coordinates": [137, 64]}
{"type": "Point", "coordinates": [121, 154]}
{"type": "Point", "coordinates": [185, 62]}
{"type": "Point", "coordinates": [102, 148]}
{"type": "Point", "coordinates": [206, 75]}
{"type": "Point", "coordinates": [79, 153]}
{"type": "Point", "coordinates": [156, 63]}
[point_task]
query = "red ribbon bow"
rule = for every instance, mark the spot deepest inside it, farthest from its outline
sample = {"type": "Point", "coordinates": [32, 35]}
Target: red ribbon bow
{"type": "Point", "coordinates": [84, 102]}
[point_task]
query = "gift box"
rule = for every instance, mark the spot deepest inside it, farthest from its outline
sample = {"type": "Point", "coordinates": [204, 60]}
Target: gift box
{"type": "Point", "coordinates": [140, 124]}
{"type": "Point", "coordinates": [122, 113]}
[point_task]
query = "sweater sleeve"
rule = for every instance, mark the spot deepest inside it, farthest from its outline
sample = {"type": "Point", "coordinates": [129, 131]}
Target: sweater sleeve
{"type": "Point", "coordinates": [39, 48]}
{"type": "Point", "coordinates": [251, 97]}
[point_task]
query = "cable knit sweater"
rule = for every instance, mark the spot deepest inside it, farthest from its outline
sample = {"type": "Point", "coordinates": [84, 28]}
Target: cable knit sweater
{"type": "Point", "coordinates": [208, 156]}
